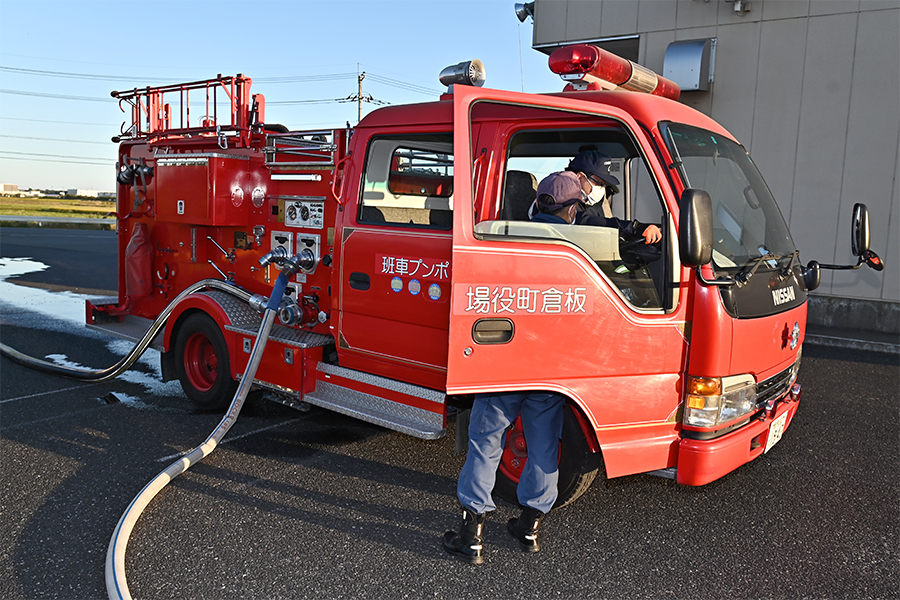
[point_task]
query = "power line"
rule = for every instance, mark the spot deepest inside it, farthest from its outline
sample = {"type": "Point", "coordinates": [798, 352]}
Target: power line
{"type": "Point", "coordinates": [88, 76]}
{"type": "Point", "coordinates": [49, 121]}
{"type": "Point", "coordinates": [27, 137]}
{"type": "Point", "coordinates": [107, 160]}
{"type": "Point", "coordinates": [57, 96]}
{"type": "Point", "coordinates": [98, 77]}
{"type": "Point", "coordinates": [53, 160]}
{"type": "Point", "coordinates": [304, 78]}
{"type": "Point", "coordinates": [410, 87]}
{"type": "Point", "coordinates": [294, 102]}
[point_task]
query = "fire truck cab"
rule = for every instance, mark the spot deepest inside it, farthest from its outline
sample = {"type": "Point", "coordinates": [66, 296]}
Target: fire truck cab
{"type": "Point", "coordinates": [424, 280]}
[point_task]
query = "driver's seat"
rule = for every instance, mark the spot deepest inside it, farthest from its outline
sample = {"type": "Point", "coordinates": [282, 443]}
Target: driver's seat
{"type": "Point", "coordinates": [519, 192]}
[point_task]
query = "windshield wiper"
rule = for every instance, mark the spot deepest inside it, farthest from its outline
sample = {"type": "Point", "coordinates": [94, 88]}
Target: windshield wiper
{"type": "Point", "coordinates": [789, 269]}
{"type": "Point", "coordinates": [744, 276]}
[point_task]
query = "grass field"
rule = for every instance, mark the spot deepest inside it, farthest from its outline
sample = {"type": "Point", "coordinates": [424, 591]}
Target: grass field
{"type": "Point", "coordinates": [56, 207]}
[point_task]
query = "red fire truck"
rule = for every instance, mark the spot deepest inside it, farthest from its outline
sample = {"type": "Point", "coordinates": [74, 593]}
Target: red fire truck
{"type": "Point", "coordinates": [423, 281]}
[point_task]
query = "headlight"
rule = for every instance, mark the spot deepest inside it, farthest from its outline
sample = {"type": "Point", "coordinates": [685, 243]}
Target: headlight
{"type": "Point", "coordinates": [713, 401]}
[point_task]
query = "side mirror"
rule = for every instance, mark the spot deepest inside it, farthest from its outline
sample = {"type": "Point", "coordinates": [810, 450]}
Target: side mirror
{"type": "Point", "coordinates": [695, 230]}
{"type": "Point", "coordinates": [812, 276]}
{"type": "Point", "coordinates": [859, 244]}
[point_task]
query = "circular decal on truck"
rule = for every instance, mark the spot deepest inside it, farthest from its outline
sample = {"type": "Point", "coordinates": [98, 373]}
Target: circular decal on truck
{"type": "Point", "coordinates": [396, 284]}
{"type": "Point", "coordinates": [434, 291]}
{"type": "Point", "coordinates": [414, 287]}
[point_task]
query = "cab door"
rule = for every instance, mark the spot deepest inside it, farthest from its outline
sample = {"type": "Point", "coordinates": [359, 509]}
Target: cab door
{"type": "Point", "coordinates": [532, 312]}
{"type": "Point", "coordinates": [395, 259]}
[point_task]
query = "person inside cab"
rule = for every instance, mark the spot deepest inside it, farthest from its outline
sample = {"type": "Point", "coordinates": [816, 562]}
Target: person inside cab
{"type": "Point", "coordinates": [598, 184]}
{"type": "Point", "coordinates": [558, 197]}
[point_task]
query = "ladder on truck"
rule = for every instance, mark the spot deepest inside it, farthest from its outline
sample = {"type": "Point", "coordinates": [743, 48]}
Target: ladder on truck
{"type": "Point", "coordinates": [227, 110]}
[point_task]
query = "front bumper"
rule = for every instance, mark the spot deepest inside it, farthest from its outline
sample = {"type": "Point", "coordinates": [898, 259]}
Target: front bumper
{"type": "Point", "coordinates": [703, 461]}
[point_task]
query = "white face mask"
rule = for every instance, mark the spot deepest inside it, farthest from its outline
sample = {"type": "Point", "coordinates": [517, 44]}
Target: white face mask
{"type": "Point", "coordinates": [597, 195]}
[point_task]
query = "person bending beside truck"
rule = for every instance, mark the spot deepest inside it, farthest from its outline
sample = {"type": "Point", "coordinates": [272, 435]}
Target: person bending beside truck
{"type": "Point", "coordinates": [558, 196]}
{"type": "Point", "coordinates": [597, 185]}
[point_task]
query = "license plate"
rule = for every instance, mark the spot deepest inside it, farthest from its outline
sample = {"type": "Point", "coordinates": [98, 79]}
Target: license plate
{"type": "Point", "coordinates": [776, 430]}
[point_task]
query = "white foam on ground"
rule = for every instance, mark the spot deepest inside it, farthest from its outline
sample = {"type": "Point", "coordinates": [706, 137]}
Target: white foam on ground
{"type": "Point", "coordinates": [39, 309]}
{"type": "Point", "coordinates": [63, 308]}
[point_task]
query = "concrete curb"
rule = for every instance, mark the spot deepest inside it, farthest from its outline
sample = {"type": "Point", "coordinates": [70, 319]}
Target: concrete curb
{"type": "Point", "coordinates": [834, 341]}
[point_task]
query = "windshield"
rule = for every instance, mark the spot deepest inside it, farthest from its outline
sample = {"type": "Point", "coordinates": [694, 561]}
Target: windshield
{"type": "Point", "coordinates": [746, 221]}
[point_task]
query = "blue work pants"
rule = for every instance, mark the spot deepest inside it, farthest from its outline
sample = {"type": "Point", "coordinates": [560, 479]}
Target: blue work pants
{"type": "Point", "coordinates": [492, 414]}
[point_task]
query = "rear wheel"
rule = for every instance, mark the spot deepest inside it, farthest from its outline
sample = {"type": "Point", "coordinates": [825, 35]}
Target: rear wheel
{"type": "Point", "coordinates": [202, 363]}
{"type": "Point", "coordinates": [578, 466]}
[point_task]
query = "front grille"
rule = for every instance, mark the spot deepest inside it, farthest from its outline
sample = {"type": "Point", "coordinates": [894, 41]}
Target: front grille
{"type": "Point", "coordinates": [776, 386]}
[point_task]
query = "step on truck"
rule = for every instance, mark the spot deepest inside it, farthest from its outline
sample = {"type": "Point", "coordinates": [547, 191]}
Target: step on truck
{"type": "Point", "coordinates": [423, 281]}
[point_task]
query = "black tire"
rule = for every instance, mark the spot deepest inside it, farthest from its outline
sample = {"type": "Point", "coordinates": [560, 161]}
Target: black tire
{"type": "Point", "coordinates": [578, 466]}
{"type": "Point", "coordinates": [202, 363]}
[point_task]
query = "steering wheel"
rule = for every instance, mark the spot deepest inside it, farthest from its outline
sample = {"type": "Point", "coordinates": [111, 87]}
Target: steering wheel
{"type": "Point", "coordinates": [637, 252]}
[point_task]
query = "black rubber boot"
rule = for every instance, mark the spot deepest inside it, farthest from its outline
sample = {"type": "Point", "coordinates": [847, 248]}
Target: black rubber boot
{"type": "Point", "coordinates": [525, 529]}
{"type": "Point", "coordinates": [466, 545]}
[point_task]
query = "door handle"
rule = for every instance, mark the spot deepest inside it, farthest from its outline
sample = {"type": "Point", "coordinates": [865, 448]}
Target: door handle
{"type": "Point", "coordinates": [493, 331]}
{"type": "Point", "coordinates": [360, 281]}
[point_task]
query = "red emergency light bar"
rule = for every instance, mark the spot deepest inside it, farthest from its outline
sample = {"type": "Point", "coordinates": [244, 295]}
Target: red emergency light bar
{"type": "Point", "coordinates": [586, 66]}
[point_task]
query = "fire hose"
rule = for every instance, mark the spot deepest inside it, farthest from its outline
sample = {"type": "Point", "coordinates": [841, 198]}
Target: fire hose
{"type": "Point", "coordinates": [116, 581]}
{"type": "Point", "coordinates": [128, 360]}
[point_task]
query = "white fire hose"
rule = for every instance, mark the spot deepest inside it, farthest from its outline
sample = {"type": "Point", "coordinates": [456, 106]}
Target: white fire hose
{"type": "Point", "coordinates": [116, 581]}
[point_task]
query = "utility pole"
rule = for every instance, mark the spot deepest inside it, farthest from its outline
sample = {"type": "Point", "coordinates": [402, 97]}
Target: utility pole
{"type": "Point", "coordinates": [359, 95]}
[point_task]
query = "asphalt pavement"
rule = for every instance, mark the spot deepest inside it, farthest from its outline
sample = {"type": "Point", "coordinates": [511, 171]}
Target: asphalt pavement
{"type": "Point", "coordinates": [303, 505]}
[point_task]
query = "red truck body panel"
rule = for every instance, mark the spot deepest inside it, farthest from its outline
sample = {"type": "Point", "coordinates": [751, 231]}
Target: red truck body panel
{"type": "Point", "coordinates": [405, 301]}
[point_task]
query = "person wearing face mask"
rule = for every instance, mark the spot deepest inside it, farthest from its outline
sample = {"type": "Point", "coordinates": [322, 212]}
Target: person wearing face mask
{"type": "Point", "coordinates": [597, 184]}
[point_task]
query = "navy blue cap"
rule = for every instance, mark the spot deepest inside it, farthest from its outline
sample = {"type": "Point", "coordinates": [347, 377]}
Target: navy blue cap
{"type": "Point", "coordinates": [592, 162]}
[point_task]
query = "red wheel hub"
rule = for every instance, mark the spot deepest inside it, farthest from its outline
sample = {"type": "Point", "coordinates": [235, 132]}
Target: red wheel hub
{"type": "Point", "coordinates": [201, 364]}
{"type": "Point", "coordinates": [515, 452]}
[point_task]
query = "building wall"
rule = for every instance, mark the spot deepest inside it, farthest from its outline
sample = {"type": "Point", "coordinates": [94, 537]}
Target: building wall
{"type": "Point", "coordinates": [810, 87]}
{"type": "Point", "coordinates": [82, 193]}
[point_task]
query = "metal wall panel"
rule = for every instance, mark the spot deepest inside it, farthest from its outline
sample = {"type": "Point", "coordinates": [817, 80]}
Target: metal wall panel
{"type": "Point", "coordinates": [655, 16]}
{"type": "Point", "coordinates": [873, 128]}
{"type": "Point", "coordinates": [736, 72]}
{"type": "Point", "coordinates": [583, 20]}
{"type": "Point", "coordinates": [810, 86]}
{"type": "Point", "coordinates": [619, 17]}
{"type": "Point", "coordinates": [824, 108]}
{"type": "Point", "coordinates": [784, 9]}
{"type": "Point", "coordinates": [776, 110]}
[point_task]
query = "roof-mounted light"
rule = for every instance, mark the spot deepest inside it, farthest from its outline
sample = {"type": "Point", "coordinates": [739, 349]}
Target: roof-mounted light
{"type": "Point", "coordinates": [587, 67]}
{"type": "Point", "coordinates": [469, 72]}
{"type": "Point", "coordinates": [524, 10]}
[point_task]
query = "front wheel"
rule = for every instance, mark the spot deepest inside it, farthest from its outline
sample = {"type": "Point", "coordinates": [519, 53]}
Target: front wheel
{"type": "Point", "coordinates": [578, 466]}
{"type": "Point", "coordinates": [202, 363]}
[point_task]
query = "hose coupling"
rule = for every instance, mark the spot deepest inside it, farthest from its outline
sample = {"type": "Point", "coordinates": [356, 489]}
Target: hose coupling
{"type": "Point", "coordinates": [258, 302]}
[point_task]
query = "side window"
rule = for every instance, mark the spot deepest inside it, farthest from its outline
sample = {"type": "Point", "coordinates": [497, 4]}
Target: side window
{"type": "Point", "coordinates": [644, 206]}
{"type": "Point", "coordinates": [409, 182]}
{"type": "Point", "coordinates": [637, 270]}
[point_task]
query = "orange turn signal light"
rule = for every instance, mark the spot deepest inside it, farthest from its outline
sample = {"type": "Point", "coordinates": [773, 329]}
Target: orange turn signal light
{"type": "Point", "coordinates": [704, 386]}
